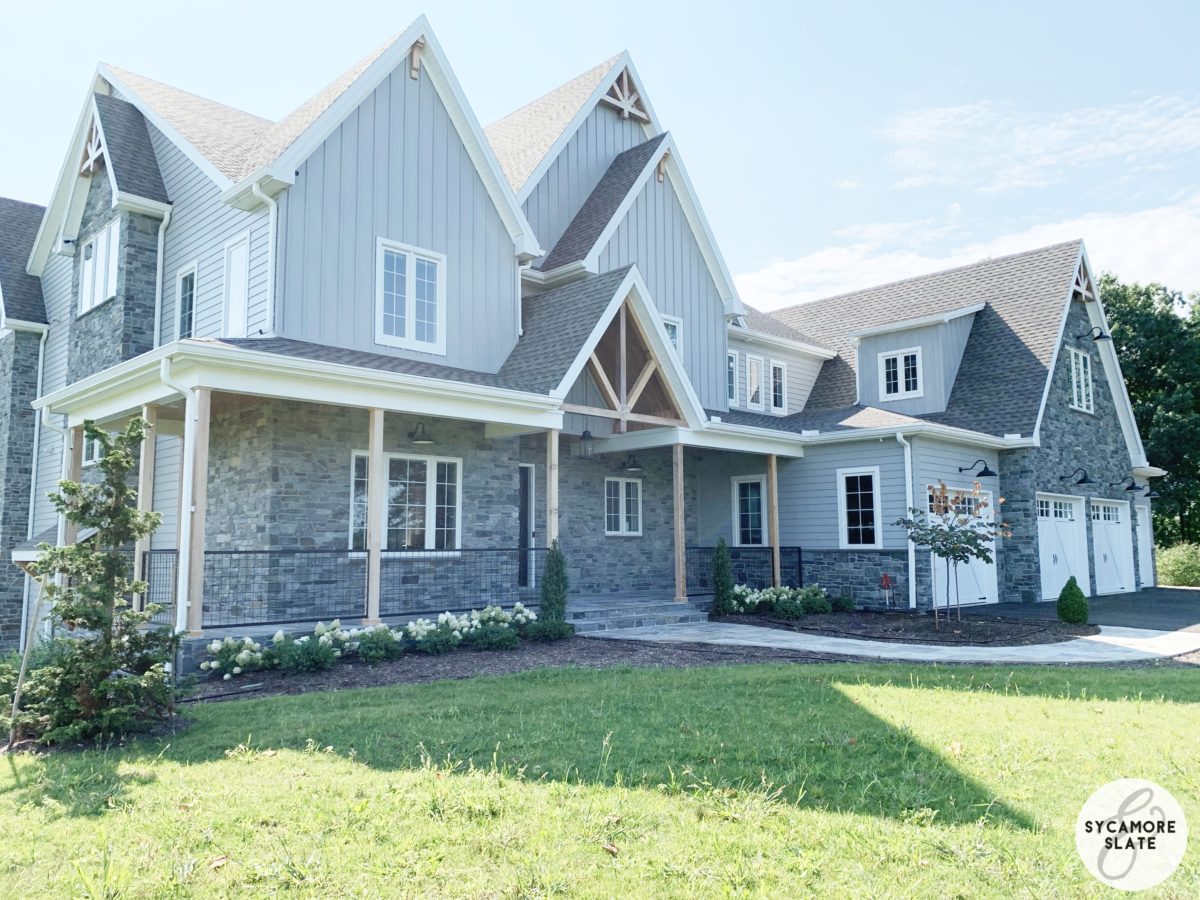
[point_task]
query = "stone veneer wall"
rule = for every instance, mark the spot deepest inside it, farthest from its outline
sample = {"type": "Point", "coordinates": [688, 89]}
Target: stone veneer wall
{"type": "Point", "coordinates": [18, 389]}
{"type": "Point", "coordinates": [858, 573]}
{"type": "Point", "coordinates": [1069, 439]}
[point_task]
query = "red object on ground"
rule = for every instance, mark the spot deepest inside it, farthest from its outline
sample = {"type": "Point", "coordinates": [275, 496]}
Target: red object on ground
{"type": "Point", "coordinates": [886, 581]}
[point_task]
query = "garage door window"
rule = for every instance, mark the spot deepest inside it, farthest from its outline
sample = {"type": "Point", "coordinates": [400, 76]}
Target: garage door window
{"type": "Point", "coordinates": [1064, 510]}
{"type": "Point", "coordinates": [1043, 507]}
{"type": "Point", "coordinates": [1105, 512]}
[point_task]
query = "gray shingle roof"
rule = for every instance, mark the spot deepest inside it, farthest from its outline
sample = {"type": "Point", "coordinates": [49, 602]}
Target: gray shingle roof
{"type": "Point", "coordinates": [1007, 358]}
{"type": "Point", "coordinates": [19, 223]}
{"type": "Point", "coordinates": [762, 322]}
{"type": "Point", "coordinates": [127, 143]}
{"type": "Point", "coordinates": [522, 139]}
{"type": "Point", "coordinates": [601, 205]}
{"type": "Point", "coordinates": [554, 326]}
{"type": "Point", "coordinates": [848, 418]}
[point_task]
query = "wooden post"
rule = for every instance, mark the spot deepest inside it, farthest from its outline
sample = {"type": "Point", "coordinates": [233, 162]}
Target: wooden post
{"type": "Point", "coordinates": [681, 594]}
{"type": "Point", "coordinates": [375, 513]}
{"type": "Point", "coordinates": [72, 471]}
{"type": "Point", "coordinates": [551, 486]}
{"type": "Point", "coordinates": [145, 495]}
{"type": "Point", "coordinates": [199, 510]}
{"type": "Point", "coordinates": [622, 374]}
{"type": "Point", "coordinates": [773, 516]}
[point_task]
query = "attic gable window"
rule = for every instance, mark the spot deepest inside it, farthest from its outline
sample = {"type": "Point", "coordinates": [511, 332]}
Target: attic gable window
{"type": "Point", "coordinates": [410, 307]}
{"type": "Point", "coordinates": [1081, 381]}
{"type": "Point", "coordinates": [98, 259]}
{"type": "Point", "coordinates": [900, 374]}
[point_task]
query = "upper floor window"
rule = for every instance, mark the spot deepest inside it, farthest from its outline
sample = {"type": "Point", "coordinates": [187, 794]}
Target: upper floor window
{"type": "Point", "coordinates": [98, 266]}
{"type": "Point", "coordinates": [754, 382]}
{"type": "Point", "coordinates": [185, 291]}
{"type": "Point", "coordinates": [1081, 381]}
{"type": "Point", "coordinates": [623, 506]}
{"type": "Point", "coordinates": [900, 374]}
{"type": "Point", "coordinates": [731, 376]}
{"type": "Point", "coordinates": [778, 387]}
{"type": "Point", "coordinates": [423, 502]}
{"type": "Point", "coordinates": [673, 326]}
{"type": "Point", "coordinates": [859, 508]}
{"type": "Point", "coordinates": [410, 308]}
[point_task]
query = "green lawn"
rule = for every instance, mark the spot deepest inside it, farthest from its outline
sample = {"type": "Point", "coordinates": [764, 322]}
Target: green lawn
{"type": "Point", "coordinates": [779, 780]}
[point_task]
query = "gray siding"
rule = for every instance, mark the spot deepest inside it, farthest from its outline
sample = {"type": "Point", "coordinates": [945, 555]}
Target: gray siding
{"type": "Point", "coordinates": [802, 373]}
{"type": "Point", "coordinates": [942, 348]}
{"type": "Point", "coordinates": [395, 168]}
{"type": "Point", "coordinates": [586, 392]}
{"type": "Point", "coordinates": [656, 236]}
{"type": "Point", "coordinates": [166, 491]}
{"type": "Point", "coordinates": [808, 492]}
{"type": "Point", "coordinates": [57, 290]}
{"type": "Point", "coordinates": [553, 203]}
{"type": "Point", "coordinates": [935, 461]}
{"type": "Point", "coordinates": [714, 476]}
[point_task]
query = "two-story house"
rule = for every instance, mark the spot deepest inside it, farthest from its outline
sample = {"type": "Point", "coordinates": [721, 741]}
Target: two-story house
{"type": "Point", "coordinates": [390, 355]}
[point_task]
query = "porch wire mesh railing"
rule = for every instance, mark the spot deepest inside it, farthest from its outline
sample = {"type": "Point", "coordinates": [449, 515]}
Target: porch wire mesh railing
{"type": "Point", "coordinates": [427, 581]}
{"type": "Point", "coordinates": [752, 566]}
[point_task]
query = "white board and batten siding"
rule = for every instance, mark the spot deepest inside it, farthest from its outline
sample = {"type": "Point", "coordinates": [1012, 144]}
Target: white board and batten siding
{"type": "Point", "coordinates": [941, 348]}
{"type": "Point", "coordinates": [802, 371]}
{"type": "Point", "coordinates": [553, 202]}
{"type": "Point", "coordinates": [655, 235]}
{"type": "Point", "coordinates": [395, 168]}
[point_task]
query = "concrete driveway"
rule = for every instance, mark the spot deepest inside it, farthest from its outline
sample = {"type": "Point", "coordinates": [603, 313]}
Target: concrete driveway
{"type": "Point", "coordinates": [1160, 609]}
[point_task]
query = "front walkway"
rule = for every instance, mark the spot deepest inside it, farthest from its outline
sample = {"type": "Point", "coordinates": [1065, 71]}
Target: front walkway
{"type": "Point", "coordinates": [1112, 645]}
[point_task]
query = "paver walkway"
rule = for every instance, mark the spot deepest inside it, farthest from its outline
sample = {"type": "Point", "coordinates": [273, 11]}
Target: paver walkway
{"type": "Point", "coordinates": [1113, 644]}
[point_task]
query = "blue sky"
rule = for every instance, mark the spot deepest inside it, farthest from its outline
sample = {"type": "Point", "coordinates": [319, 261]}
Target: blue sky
{"type": "Point", "coordinates": [834, 146]}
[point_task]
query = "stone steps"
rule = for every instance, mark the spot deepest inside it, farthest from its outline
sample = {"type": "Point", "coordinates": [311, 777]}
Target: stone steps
{"type": "Point", "coordinates": [614, 615]}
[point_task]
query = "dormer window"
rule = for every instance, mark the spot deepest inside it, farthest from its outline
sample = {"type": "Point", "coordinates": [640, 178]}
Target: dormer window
{"type": "Point", "coordinates": [900, 374]}
{"type": "Point", "coordinates": [410, 308]}
{"type": "Point", "coordinates": [98, 266]}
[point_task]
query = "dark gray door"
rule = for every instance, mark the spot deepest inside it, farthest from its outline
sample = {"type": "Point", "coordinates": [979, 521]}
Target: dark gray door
{"type": "Point", "coordinates": [524, 524]}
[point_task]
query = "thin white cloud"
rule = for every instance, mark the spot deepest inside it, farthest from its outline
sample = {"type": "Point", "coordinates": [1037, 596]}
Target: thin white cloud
{"type": "Point", "coordinates": [848, 184]}
{"type": "Point", "coordinates": [1156, 244]}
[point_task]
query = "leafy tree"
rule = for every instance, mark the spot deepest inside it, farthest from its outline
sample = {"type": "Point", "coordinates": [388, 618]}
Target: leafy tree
{"type": "Point", "coordinates": [722, 567]}
{"type": "Point", "coordinates": [105, 676]}
{"type": "Point", "coordinates": [1157, 337]}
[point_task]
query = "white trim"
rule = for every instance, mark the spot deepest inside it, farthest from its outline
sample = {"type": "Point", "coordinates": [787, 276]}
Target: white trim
{"type": "Point", "coordinates": [623, 482]}
{"type": "Point", "coordinates": [228, 329]}
{"type": "Point", "coordinates": [408, 342]}
{"type": "Point", "coordinates": [908, 506]}
{"type": "Point", "coordinates": [877, 500]}
{"type": "Point", "coordinates": [193, 269]}
{"type": "Point", "coordinates": [111, 232]}
{"type": "Point", "coordinates": [678, 323]}
{"type": "Point", "coordinates": [907, 324]}
{"type": "Point", "coordinates": [1083, 385]}
{"type": "Point", "coordinates": [732, 355]}
{"type": "Point", "coordinates": [750, 404]}
{"type": "Point", "coordinates": [899, 355]}
{"type": "Point", "coordinates": [750, 336]}
{"type": "Point", "coordinates": [431, 464]}
{"type": "Point", "coordinates": [772, 365]}
{"type": "Point", "coordinates": [533, 535]}
{"type": "Point", "coordinates": [734, 483]}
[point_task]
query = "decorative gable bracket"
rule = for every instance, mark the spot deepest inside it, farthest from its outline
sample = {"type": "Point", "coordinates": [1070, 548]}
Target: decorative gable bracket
{"type": "Point", "coordinates": [623, 96]}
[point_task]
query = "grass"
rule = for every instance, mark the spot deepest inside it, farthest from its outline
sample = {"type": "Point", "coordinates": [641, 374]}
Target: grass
{"type": "Point", "coordinates": [778, 780]}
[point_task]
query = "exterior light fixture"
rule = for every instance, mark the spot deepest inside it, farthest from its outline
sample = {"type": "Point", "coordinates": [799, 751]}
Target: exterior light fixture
{"type": "Point", "coordinates": [1083, 477]}
{"type": "Point", "coordinates": [1128, 483]}
{"type": "Point", "coordinates": [419, 435]}
{"type": "Point", "coordinates": [1151, 493]}
{"type": "Point", "coordinates": [586, 445]}
{"type": "Point", "coordinates": [985, 472]}
{"type": "Point", "coordinates": [1096, 334]}
{"type": "Point", "coordinates": [632, 464]}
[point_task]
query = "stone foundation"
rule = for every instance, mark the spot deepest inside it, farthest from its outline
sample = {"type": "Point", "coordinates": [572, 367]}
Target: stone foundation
{"type": "Point", "coordinates": [857, 574]}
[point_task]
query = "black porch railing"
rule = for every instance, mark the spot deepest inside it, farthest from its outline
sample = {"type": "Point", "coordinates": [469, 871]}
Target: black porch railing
{"type": "Point", "coordinates": [273, 587]}
{"type": "Point", "coordinates": [428, 581]}
{"type": "Point", "coordinates": [159, 569]}
{"type": "Point", "coordinates": [752, 566]}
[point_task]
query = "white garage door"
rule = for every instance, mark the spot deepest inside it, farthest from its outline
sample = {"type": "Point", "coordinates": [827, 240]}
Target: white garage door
{"type": "Point", "coordinates": [1145, 533]}
{"type": "Point", "coordinates": [1112, 546]}
{"type": "Point", "coordinates": [1062, 543]}
{"type": "Point", "coordinates": [976, 580]}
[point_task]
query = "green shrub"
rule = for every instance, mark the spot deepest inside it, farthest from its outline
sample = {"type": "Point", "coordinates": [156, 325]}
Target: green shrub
{"type": "Point", "coordinates": [789, 608]}
{"type": "Point", "coordinates": [549, 630]}
{"type": "Point", "coordinates": [1179, 565]}
{"type": "Point", "coordinates": [815, 601]}
{"type": "Point", "coordinates": [492, 637]}
{"type": "Point", "coordinates": [379, 644]}
{"type": "Point", "coordinates": [304, 654]}
{"type": "Point", "coordinates": [722, 571]}
{"type": "Point", "coordinates": [842, 603]}
{"type": "Point", "coordinates": [554, 586]}
{"type": "Point", "coordinates": [233, 656]}
{"type": "Point", "coordinates": [1072, 605]}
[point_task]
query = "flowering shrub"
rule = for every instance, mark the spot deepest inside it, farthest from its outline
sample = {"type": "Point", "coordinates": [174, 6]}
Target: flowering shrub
{"type": "Point", "coordinates": [492, 637]}
{"type": "Point", "coordinates": [304, 654]}
{"type": "Point", "coordinates": [814, 600]}
{"type": "Point", "coordinates": [787, 603]}
{"type": "Point", "coordinates": [440, 637]}
{"type": "Point", "coordinates": [379, 643]}
{"type": "Point", "coordinates": [233, 656]}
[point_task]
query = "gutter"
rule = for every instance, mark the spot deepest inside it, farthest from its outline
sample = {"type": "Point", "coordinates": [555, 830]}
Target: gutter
{"type": "Point", "coordinates": [908, 500]}
{"type": "Point", "coordinates": [272, 227]}
{"type": "Point", "coordinates": [158, 281]}
{"type": "Point", "coordinates": [751, 336]}
{"type": "Point", "coordinates": [184, 536]}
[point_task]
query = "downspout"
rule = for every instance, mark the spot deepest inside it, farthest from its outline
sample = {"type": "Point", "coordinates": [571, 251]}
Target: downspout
{"type": "Point", "coordinates": [184, 537]}
{"type": "Point", "coordinates": [33, 480]}
{"type": "Point", "coordinates": [908, 502]}
{"type": "Point", "coordinates": [158, 278]}
{"type": "Point", "coordinates": [272, 225]}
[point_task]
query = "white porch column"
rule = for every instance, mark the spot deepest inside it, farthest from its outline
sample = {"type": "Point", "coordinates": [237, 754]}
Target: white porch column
{"type": "Point", "coordinates": [145, 491]}
{"type": "Point", "coordinates": [773, 516]}
{"type": "Point", "coordinates": [72, 469]}
{"type": "Point", "coordinates": [551, 486]}
{"type": "Point", "coordinates": [189, 591]}
{"type": "Point", "coordinates": [375, 513]}
{"type": "Point", "coordinates": [680, 526]}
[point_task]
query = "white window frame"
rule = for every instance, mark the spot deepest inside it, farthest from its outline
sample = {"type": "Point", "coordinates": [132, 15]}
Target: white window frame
{"type": "Point", "coordinates": [782, 367]}
{"type": "Point", "coordinates": [877, 498]}
{"type": "Point", "coordinates": [193, 269]}
{"type": "Point", "coordinates": [227, 317]}
{"type": "Point", "coordinates": [430, 550]}
{"type": "Point", "coordinates": [438, 347]}
{"type": "Point", "coordinates": [90, 270]}
{"type": "Point", "coordinates": [1082, 384]}
{"type": "Point", "coordinates": [899, 355]}
{"type": "Point", "coordinates": [761, 481]}
{"type": "Point", "coordinates": [623, 532]}
{"type": "Point", "coordinates": [749, 386]}
{"type": "Point", "coordinates": [731, 390]}
{"type": "Point", "coordinates": [675, 322]}
{"type": "Point", "coordinates": [91, 452]}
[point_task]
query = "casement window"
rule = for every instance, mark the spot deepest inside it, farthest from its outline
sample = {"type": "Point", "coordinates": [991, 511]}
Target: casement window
{"type": "Point", "coordinates": [91, 451]}
{"type": "Point", "coordinates": [185, 293]}
{"type": "Point", "coordinates": [237, 285]}
{"type": "Point", "coordinates": [778, 387]}
{"type": "Point", "coordinates": [623, 507]}
{"type": "Point", "coordinates": [859, 512]}
{"type": "Point", "coordinates": [674, 328]}
{"type": "Point", "coordinates": [98, 260]}
{"type": "Point", "coordinates": [731, 377]}
{"type": "Point", "coordinates": [423, 498]}
{"type": "Point", "coordinates": [754, 382]}
{"type": "Point", "coordinates": [1081, 381]}
{"type": "Point", "coordinates": [900, 374]}
{"type": "Point", "coordinates": [750, 511]}
{"type": "Point", "coordinates": [410, 305]}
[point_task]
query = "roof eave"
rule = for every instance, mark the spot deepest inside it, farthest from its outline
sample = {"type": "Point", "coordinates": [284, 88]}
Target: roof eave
{"type": "Point", "coordinates": [761, 337]}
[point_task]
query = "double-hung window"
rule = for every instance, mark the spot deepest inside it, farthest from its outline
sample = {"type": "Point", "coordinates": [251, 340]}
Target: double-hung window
{"type": "Point", "coordinates": [185, 293]}
{"type": "Point", "coordinates": [410, 304]}
{"type": "Point", "coordinates": [859, 514]}
{"type": "Point", "coordinates": [422, 499]}
{"type": "Point", "coordinates": [731, 377]}
{"type": "Point", "coordinates": [98, 260]}
{"type": "Point", "coordinates": [778, 387]}
{"type": "Point", "coordinates": [750, 511]}
{"type": "Point", "coordinates": [623, 506]}
{"type": "Point", "coordinates": [754, 382]}
{"type": "Point", "coordinates": [1081, 381]}
{"type": "Point", "coordinates": [900, 374]}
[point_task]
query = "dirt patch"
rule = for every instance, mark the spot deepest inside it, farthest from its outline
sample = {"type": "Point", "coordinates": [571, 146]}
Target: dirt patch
{"type": "Point", "coordinates": [912, 628]}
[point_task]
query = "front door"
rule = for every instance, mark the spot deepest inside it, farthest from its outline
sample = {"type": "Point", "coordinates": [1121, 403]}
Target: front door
{"type": "Point", "coordinates": [525, 533]}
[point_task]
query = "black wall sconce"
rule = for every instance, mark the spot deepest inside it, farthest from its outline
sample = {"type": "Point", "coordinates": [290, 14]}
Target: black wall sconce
{"type": "Point", "coordinates": [1083, 478]}
{"type": "Point", "coordinates": [985, 472]}
{"type": "Point", "coordinates": [419, 435]}
{"type": "Point", "coordinates": [1128, 483]}
{"type": "Point", "coordinates": [632, 464]}
{"type": "Point", "coordinates": [586, 445]}
{"type": "Point", "coordinates": [1096, 334]}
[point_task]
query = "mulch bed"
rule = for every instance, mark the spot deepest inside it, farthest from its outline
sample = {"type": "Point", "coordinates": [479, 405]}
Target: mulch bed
{"type": "Point", "coordinates": [903, 627]}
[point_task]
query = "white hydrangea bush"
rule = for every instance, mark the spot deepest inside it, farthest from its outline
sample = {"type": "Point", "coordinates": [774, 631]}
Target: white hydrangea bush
{"type": "Point", "coordinates": [232, 656]}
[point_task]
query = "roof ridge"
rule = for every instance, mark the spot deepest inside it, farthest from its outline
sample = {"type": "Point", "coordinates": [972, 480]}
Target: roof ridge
{"type": "Point", "coordinates": [17, 202]}
{"type": "Point", "coordinates": [606, 65]}
{"type": "Point", "coordinates": [237, 109]}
